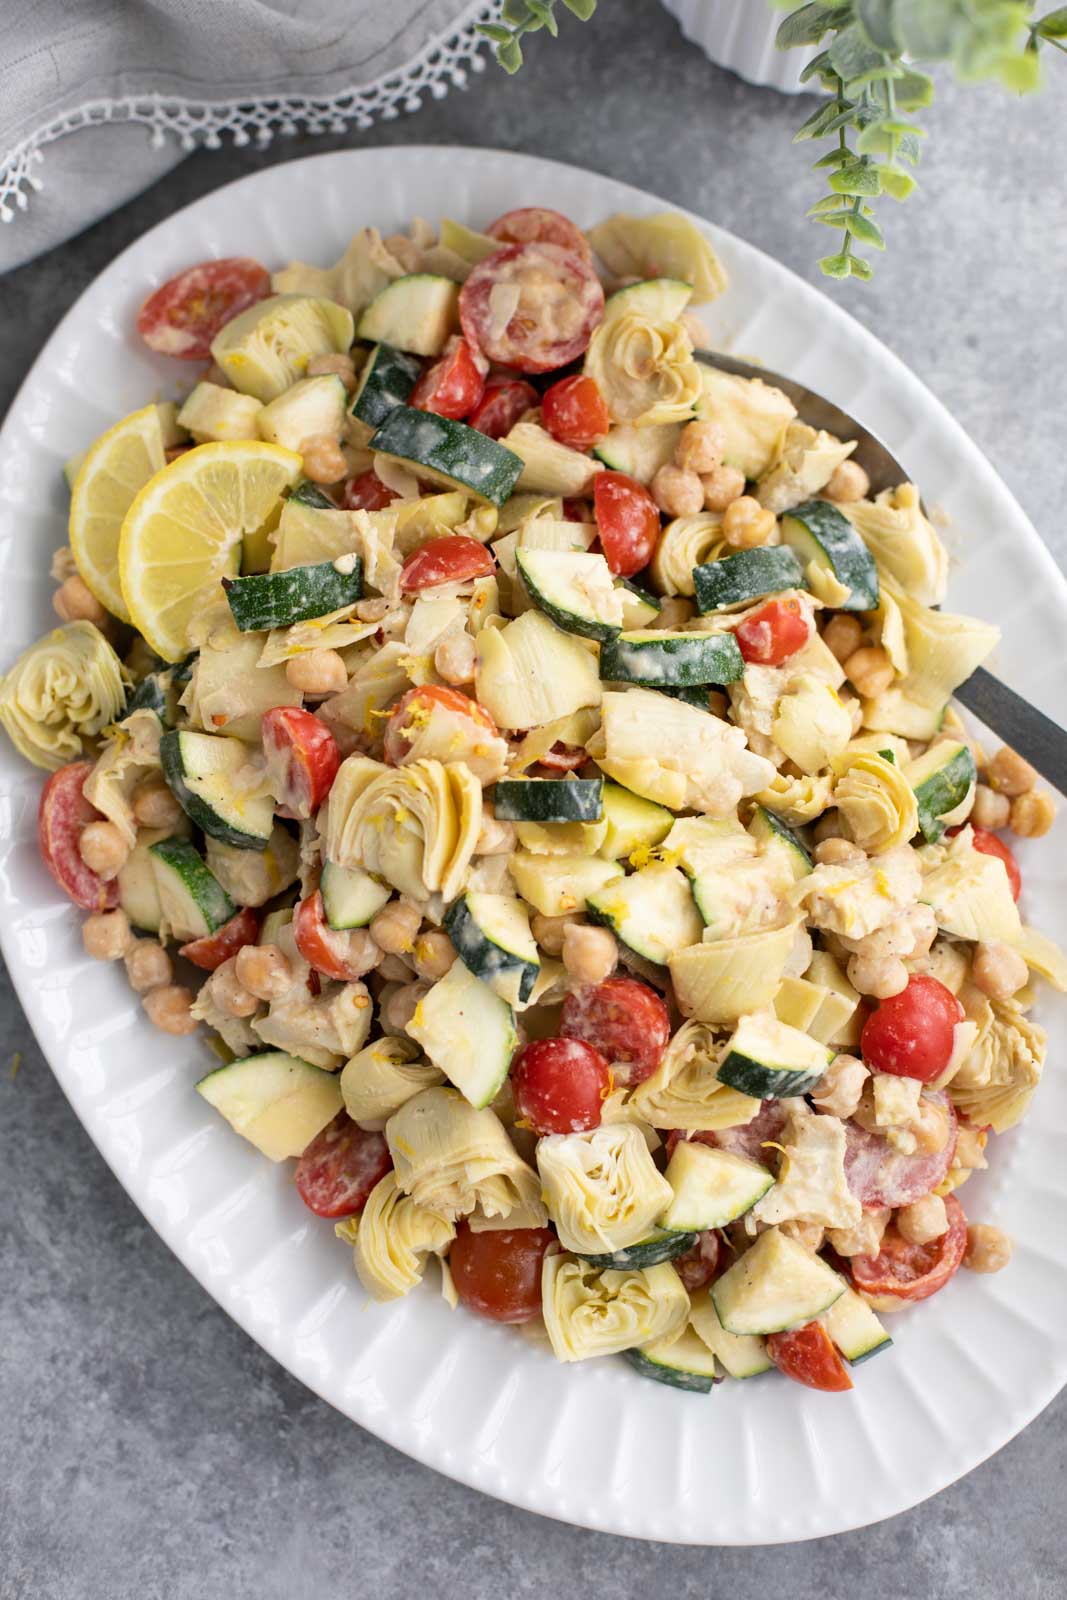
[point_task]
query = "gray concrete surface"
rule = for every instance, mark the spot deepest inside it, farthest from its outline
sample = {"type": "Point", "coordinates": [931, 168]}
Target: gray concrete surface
{"type": "Point", "coordinates": [149, 1450]}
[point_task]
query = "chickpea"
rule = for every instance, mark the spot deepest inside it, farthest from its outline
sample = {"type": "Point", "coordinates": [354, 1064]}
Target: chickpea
{"type": "Point", "coordinates": [1032, 815]}
{"type": "Point", "coordinates": [865, 1239]}
{"type": "Point", "coordinates": [879, 976]}
{"type": "Point", "coordinates": [154, 806]}
{"type": "Point", "coordinates": [697, 329]}
{"type": "Point", "coordinates": [839, 1089]}
{"type": "Point", "coordinates": [808, 1234]}
{"type": "Point", "coordinates": [870, 671]}
{"type": "Point", "coordinates": [318, 673]}
{"type": "Point", "coordinates": [990, 809]}
{"type": "Point", "coordinates": [106, 935]}
{"type": "Point", "coordinates": [827, 827]}
{"type": "Point", "coordinates": [103, 849]}
{"type": "Point", "coordinates": [434, 954]}
{"type": "Point", "coordinates": [455, 657]}
{"type": "Point", "coordinates": [395, 969]}
{"type": "Point", "coordinates": [998, 970]}
{"type": "Point", "coordinates": [548, 932]}
{"type": "Point", "coordinates": [398, 1008]}
{"type": "Point", "coordinates": [495, 838]}
{"type": "Point", "coordinates": [932, 1127]}
{"type": "Point", "coordinates": [394, 928]}
{"type": "Point", "coordinates": [923, 1220]}
{"type": "Point", "coordinates": [678, 492]}
{"type": "Point", "coordinates": [589, 954]}
{"type": "Point", "coordinates": [373, 609]}
{"type": "Point", "coordinates": [700, 447]}
{"type": "Point", "coordinates": [745, 523]}
{"type": "Point", "coordinates": [1009, 774]}
{"type": "Point", "coordinates": [74, 601]}
{"type": "Point", "coordinates": [264, 970]}
{"type": "Point", "coordinates": [848, 482]}
{"type": "Point", "coordinates": [324, 460]}
{"type": "Point", "coordinates": [148, 966]}
{"type": "Point", "coordinates": [988, 1249]}
{"type": "Point", "coordinates": [170, 1008]}
{"type": "Point", "coordinates": [341, 365]}
{"type": "Point", "coordinates": [718, 704]}
{"type": "Point", "coordinates": [229, 993]}
{"type": "Point", "coordinates": [842, 635]}
{"type": "Point", "coordinates": [722, 486]}
{"type": "Point", "coordinates": [835, 852]}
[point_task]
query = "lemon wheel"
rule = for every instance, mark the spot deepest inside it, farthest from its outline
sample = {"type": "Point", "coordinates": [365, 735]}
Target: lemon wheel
{"type": "Point", "coordinates": [184, 533]}
{"type": "Point", "coordinates": [115, 470]}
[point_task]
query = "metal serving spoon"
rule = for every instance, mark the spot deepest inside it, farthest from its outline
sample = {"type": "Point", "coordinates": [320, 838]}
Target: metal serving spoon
{"type": "Point", "coordinates": [1036, 737]}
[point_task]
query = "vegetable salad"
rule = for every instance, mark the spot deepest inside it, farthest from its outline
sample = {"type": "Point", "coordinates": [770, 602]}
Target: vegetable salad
{"type": "Point", "coordinates": [537, 744]}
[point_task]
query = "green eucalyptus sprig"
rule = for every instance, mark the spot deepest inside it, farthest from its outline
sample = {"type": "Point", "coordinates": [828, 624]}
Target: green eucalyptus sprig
{"type": "Point", "coordinates": [868, 70]}
{"type": "Point", "coordinates": [527, 16]}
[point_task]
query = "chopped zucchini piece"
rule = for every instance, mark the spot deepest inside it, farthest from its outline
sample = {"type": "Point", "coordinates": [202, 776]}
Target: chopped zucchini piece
{"type": "Point", "coordinates": [387, 379]}
{"type": "Point", "coordinates": [449, 453]}
{"type": "Point", "coordinates": [468, 1032]}
{"type": "Point", "coordinates": [775, 1285]}
{"type": "Point", "coordinates": [278, 599]}
{"type": "Point", "coordinates": [673, 660]}
{"type": "Point", "coordinates": [491, 933]}
{"type": "Point", "coordinates": [192, 901]}
{"type": "Point", "coordinates": [549, 799]}
{"type": "Point", "coordinates": [749, 575]}
{"type": "Point", "coordinates": [711, 1187]}
{"type": "Point", "coordinates": [652, 912]}
{"type": "Point", "coordinates": [634, 823]}
{"type": "Point", "coordinates": [312, 406]}
{"type": "Point", "coordinates": [943, 779]}
{"type": "Point", "coordinates": [682, 1362]}
{"type": "Point", "coordinates": [418, 313]}
{"type": "Point", "coordinates": [275, 1101]}
{"type": "Point", "coordinates": [204, 771]}
{"type": "Point", "coordinates": [769, 1060]}
{"type": "Point", "coordinates": [818, 532]}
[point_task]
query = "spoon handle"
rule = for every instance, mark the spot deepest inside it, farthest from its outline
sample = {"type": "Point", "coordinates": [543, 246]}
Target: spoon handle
{"type": "Point", "coordinates": [1036, 737]}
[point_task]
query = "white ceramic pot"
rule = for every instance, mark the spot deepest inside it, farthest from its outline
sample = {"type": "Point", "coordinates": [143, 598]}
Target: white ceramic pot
{"type": "Point", "coordinates": [739, 34]}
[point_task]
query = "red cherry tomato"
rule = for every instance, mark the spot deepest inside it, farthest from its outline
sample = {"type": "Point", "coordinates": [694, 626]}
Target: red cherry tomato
{"type": "Point", "coordinates": [777, 630]}
{"type": "Point", "coordinates": [564, 757]}
{"type": "Point", "coordinates": [903, 1271]}
{"type": "Point", "coordinates": [911, 1033]}
{"type": "Point", "coordinates": [698, 1266]}
{"type": "Point", "coordinates": [453, 386]}
{"type": "Point", "coordinates": [184, 314]}
{"type": "Point", "coordinates": [498, 1273]}
{"type": "Point", "coordinates": [215, 948]}
{"type": "Point", "coordinates": [340, 1167]}
{"type": "Point", "coordinates": [451, 559]}
{"type": "Point", "coordinates": [560, 302]}
{"type": "Point", "coordinates": [417, 705]}
{"type": "Point", "coordinates": [539, 225]}
{"type": "Point", "coordinates": [302, 758]}
{"type": "Point", "coordinates": [366, 492]}
{"type": "Point", "coordinates": [559, 1085]}
{"type": "Point", "coordinates": [502, 404]}
{"type": "Point", "coordinates": [577, 510]}
{"type": "Point", "coordinates": [807, 1355]}
{"type": "Point", "coordinates": [623, 1019]}
{"type": "Point", "coordinates": [61, 816]}
{"type": "Point", "coordinates": [327, 949]}
{"type": "Point", "coordinates": [627, 520]}
{"type": "Point", "coordinates": [575, 412]}
{"type": "Point", "coordinates": [991, 844]}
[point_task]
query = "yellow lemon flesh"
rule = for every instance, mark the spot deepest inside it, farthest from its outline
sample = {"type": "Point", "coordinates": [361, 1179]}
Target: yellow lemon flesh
{"type": "Point", "coordinates": [115, 469]}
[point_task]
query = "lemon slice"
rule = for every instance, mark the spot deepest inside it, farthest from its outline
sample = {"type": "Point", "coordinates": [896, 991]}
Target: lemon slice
{"type": "Point", "coordinates": [184, 531]}
{"type": "Point", "coordinates": [114, 470]}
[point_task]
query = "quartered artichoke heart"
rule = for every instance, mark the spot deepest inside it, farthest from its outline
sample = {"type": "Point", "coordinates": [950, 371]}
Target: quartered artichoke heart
{"type": "Point", "coordinates": [685, 1092]}
{"type": "Point", "coordinates": [414, 826]}
{"type": "Point", "coordinates": [602, 1188]}
{"type": "Point", "coordinates": [453, 1159]}
{"type": "Point", "coordinates": [875, 803]}
{"type": "Point", "coordinates": [267, 348]}
{"type": "Point", "coordinates": [599, 1313]}
{"type": "Point", "coordinates": [392, 1237]}
{"type": "Point", "coordinates": [63, 689]}
{"type": "Point", "coordinates": [384, 1076]}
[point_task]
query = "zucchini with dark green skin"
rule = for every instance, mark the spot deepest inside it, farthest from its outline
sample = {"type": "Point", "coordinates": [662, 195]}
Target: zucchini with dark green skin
{"type": "Point", "coordinates": [449, 453]}
{"type": "Point", "coordinates": [769, 1060]}
{"type": "Point", "coordinates": [773, 834]}
{"type": "Point", "coordinates": [202, 771]}
{"type": "Point", "coordinates": [671, 660]}
{"type": "Point", "coordinates": [192, 900]}
{"type": "Point", "coordinates": [942, 779]}
{"type": "Point", "coordinates": [817, 531]}
{"type": "Point", "coordinates": [683, 1362]}
{"type": "Point", "coordinates": [549, 799]}
{"type": "Point", "coordinates": [574, 589]}
{"type": "Point", "coordinates": [307, 493]}
{"type": "Point", "coordinates": [659, 1246]}
{"type": "Point", "coordinates": [387, 379]}
{"type": "Point", "coordinates": [748, 575]}
{"type": "Point", "coordinates": [278, 599]}
{"type": "Point", "coordinates": [491, 933]}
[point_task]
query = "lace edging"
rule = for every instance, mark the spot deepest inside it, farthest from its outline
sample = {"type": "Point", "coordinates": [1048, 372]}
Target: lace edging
{"type": "Point", "coordinates": [443, 63]}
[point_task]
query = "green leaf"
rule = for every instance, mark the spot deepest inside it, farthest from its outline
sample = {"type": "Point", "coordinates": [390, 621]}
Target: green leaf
{"type": "Point", "coordinates": [833, 158]}
{"type": "Point", "coordinates": [815, 126]}
{"type": "Point", "coordinates": [897, 140]}
{"type": "Point", "coordinates": [838, 266]}
{"type": "Point", "coordinates": [807, 25]}
{"type": "Point", "coordinates": [516, 12]}
{"type": "Point", "coordinates": [866, 231]}
{"type": "Point", "coordinates": [816, 67]}
{"type": "Point", "coordinates": [544, 16]}
{"type": "Point", "coordinates": [829, 202]}
{"type": "Point", "coordinates": [852, 57]}
{"type": "Point", "coordinates": [895, 183]}
{"type": "Point", "coordinates": [510, 55]}
{"type": "Point", "coordinates": [875, 18]}
{"type": "Point", "coordinates": [914, 90]}
{"type": "Point", "coordinates": [582, 9]}
{"type": "Point", "coordinates": [1054, 25]}
{"type": "Point", "coordinates": [861, 269]}
{"type": "Point", "coordinates": [494, 31]}
{"type": "Point", "coordinates": [856, 178]}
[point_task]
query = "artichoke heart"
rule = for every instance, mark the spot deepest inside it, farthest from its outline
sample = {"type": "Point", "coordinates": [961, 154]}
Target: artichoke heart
{"type": "Point", "coordinates": [685, 543]}
{"type": "Point", "coordinates": [996, 1082]}
{"type": "Point", "coordinates": [903, 541]}
{"type": "Point", "coordinates": [382, 1077]}
{"type": "Point", "coordinates": [670, 752]}
{"type": "Point", "coordinates": [859, 897]}
{"type": "Point", "coordinates": [391, 1239]}
{"type": "Point", "coordinates": [644, 369]}
{"type": "Point", "coordinates": [685, 1092]}
{"type": "Point", "coordinates": [414, 826]}
{"type": "Point", "coordinates": [876, 804]}
{"type": "Point", "coordinates": [810, 724]}
{"type": "Point", "coordinates": [806, 463]}
{"type": "Point", "coordinates": [602, 1188]}
{"type": "Point", "coordinates": [970, 892]}
{"type": "Point", "coordinates": [130, 754]}
{"type": "Point", "coordinates": [665, 245]}
{"type": "Point", "coordinates": [453, 1159]}
{"type": "Point", "coordinates": [592, 1313]}
{"type": "Point", "coordinates": [62, 690]}
{"type": "Point", "coordinates": [267, 348]}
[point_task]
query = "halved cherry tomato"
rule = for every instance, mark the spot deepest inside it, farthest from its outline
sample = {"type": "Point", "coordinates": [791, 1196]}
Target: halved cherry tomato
{"type": "Point", "coordinates": [451, 559]}
{"type": "Point", "coordinates": [498, 1273]}
{"type": "Point", "coordinates": [502, 404]}
{"type": "Point", "coordinates": [627, 520]}
{"type": "Point", "coordinates": [559, 1085]}
{"type": "Point", "coordinates": [564, 757]}
{"type": "Point", "coordinates": [575, 412]}
{"type": "Point", "coordinates": [62, 814]}
{"type": "Point", "coordinates": [559, 303]}
{"type": "Point", "coordinates": [807, 1355]}
{"type": "Point", "coordinates": [215, 948]}
{"type": "Point", "coordinates": [539, 225]}
{"type": "Point", "coordinates": [366, 492]}
{"type": "Point", "coordinates": [697, 1266]}
{"type": "Point", "coordinates": [777, 630]}
{"type": "Point", "coordinates": [340, 1167]}
{"type": "Point", "coordinates": [623, 1019]}
{"type": "Point", "coordinates": [453, 386]}
{"type": "Point", "coordinates": [416, 706]}
{"type": "Point", "coordinates": [903, 1271]}
{"type": "Point", "coordinates": [990, 844]}
{"type": "Point", "coordinates": [184, 314]}
{"type": "Point", "coordinates": [302, 758]}
{"type": "Point", "coordinates": [326, 949]}
{"type": "Point", "coordinates": [912, 1033]}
